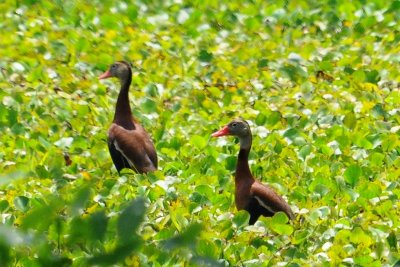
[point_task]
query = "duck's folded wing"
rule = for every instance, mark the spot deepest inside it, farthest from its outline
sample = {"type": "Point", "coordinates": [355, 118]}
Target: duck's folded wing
{"type": "Point", "coordinates": [119, 160]}
{"type": "Point", "coordinates": [151, 152]}
{"type": "Point", "coordinates": [270, 201]}
{"type": "Point", "coordinates": [131, 144]}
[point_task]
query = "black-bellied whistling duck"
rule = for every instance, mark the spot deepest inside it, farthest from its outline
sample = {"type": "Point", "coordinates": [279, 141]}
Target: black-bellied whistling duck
{"type": "Point", "coordinates": [250, 194]}
{"type": "Point", "coordinates": [129, 144]}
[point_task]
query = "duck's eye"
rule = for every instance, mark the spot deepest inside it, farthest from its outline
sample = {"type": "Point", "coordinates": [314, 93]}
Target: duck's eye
{"type": "Point", "coordinates": [113, 66]}
{"type": "Point", "coordinates": [234, 124]}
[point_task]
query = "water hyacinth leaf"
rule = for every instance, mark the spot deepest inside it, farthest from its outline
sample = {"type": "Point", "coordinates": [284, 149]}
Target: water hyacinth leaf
{"type": "Point", "coordinates": [205, 56]}
{"type": "Point", "coordinates": [300, 236]}
{"type": "Point", "coordinates": [279, 224]}
{"type": "Point", "coordinates": [231, 163]}
{"type": "Point", "coordinates": [305, 151]}
{"type": "Point", "coordinates": [21, 203]}
{"type": "Point", "coordinates": [378, 111]}
{"type": "Point", "coordinates": [198, 141]}
{"type": "Point", "coordinates": [149, 106]}
{"type": "Point", "coordinates": [261, 119]}
{"type": "Point", "coordinates": [273, 118]}
{"type": "Point", "coordinates": [392, 240]}
{"type": "Point", "coordinates": [262, 63]}
{"type": "Point", "coordinates": [186, 238]}
{"type": "Point", "coordinates": [118, 254]}
{"type": "Point", "coordinates": [208, 249]}
{"type": "Point", "coordinates": [130, 219]}
{"type": "Point", "coordinates": [350, 120]}
{"type": "Point", "coordinates": [376, 159]}
{"type": "Point", "coordinates": [359, 76]}
{"type": "Point", "coordinates": [4, 205]}
{"type": "Point", "coordinates": [241, 218]}
{"type": "Point", "coordinates": [98, 225]}
{"type": "Point", "coordinates": [352, 174]}
{"type": "Point", "coordinates": [80, 200]}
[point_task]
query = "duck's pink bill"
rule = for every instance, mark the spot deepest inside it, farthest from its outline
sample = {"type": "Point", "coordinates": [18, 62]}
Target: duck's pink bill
{"type": "Point", "coordinates": [222, 132]}
{"type": "Point", "coordinates": [105, 75]}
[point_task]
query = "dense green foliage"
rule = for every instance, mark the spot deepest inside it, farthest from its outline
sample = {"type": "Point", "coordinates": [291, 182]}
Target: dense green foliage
{"type": "Point", "coordinates": [318, 79]}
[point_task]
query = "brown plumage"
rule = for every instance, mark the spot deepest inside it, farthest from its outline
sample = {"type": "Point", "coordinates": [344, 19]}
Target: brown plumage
{"type": "Point", "coordinates": [251, 195]}
{"type": "Point", "coordinates": [129, 144]}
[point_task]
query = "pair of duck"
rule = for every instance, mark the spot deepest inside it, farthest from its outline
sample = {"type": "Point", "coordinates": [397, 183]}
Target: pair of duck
{"type": "Point", "coordinates": [131, 147]}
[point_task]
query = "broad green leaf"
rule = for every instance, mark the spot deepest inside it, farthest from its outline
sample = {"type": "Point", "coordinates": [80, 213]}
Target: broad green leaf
{"type": "Point", "coordinates": [261, 119]}
{"type": "Point", "coordinates": [118, 254]}
{"type": "Point", "coordinates": [21, 203]}
{"type": "Point", "coordinates": [300, 236]}
{"type": "Point", "coordinates": [80, 200]}
{"type": "Point", "coordinates": [241, 218]}
{"type": "Point", "coordinates": [186, 238]}
{"type": "Point", "coordinates": [205, 56]}
{"type": "Point", "coordinates": [273, 118]}
{"type": "Point", "coordinates": [98, 224]}
{"type": "Point", "coordinates": [359, 76]}
{"type": "Point", "coordinates": [198, 141]}
{"type": "Point", "coordinates": [149, 106]}
{"type": "Point", "coordinates": [130, 219]}
{"type": "Point", "coordinates": [4, 205]}
{"type": "Point", "coordinates": [305, 151]}
{"type": "Point", "coordinates": [350, 120]}
{"type": "Point", "coordinates": [376, 159]}
{"type": "Point", "coordinates": [352, 174]}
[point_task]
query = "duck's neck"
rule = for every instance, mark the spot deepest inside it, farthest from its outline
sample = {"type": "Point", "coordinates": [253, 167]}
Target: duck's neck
{"type": "Point", "coordinates": [242, 166]}
{"type": "Point", "coordinates": [123, 113]}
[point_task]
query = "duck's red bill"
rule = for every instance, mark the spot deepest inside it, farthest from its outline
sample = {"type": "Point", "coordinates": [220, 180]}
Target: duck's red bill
{"type": "Point", "coordinates": [105, 75]}
{"type": "Point", "coordinates": [222, 132]}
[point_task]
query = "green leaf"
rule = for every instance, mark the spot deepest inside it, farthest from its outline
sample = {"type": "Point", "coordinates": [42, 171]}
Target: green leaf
{"type": "Point", "coordinates": [372, 76]}
{"type": "Point", "coordinates": [21, 203]}
{"type": "Point", "coordinates": [132, 12]}
{"type": "Point", "coordinates": [350, 120]}
{"type": "Point", "coordinates": [261, 119]}
{"type": "Point", "coordinates": [241, 218]}
{"type": "Point", "coordinates": [359, 76]}
{"type": "Point", "coordinates": [305, 151]}
{"type": "Point", "coordinates": [352, 174]}
{"type": "Point", "coordinates": [231, 163]}
{"type": "Point", "coordinates": [130, 219]}
{"type": "Point", "coordinates": [80, 200]}
{"type": "Point", "coordinates": [185, 239]}
{"type": "Point", "coordinates": [280, 218]}
{"type": "Point", "coordinates": [198, 141]}
{"type": "Point", "coordinates": [262, 63]}
{"type": "Point", "coordinates": [4, 205]}
{"type": "Point", "coordinates": [278, 224]}
{"type": "Point", "coordinates": [273, 118]}
{"type": "Point", "coordinates": [300, 236]}
{"type": "Point", "coordinates": [205, 56]}
{"type": "Point", "coordinates": [149, 106]}
{"type": "Point", "coordinates": [376, 159]}
{"type": "Point", "coordinates": [208, 248]}
{"type": "Point", "coordinates": [378, 111]}
{"type": "Point", "coordinates": [392, 241]}
{"type": "Point", "coordinates": [98, 225]}
{"type": "Point", "coordinates": [118, 254]}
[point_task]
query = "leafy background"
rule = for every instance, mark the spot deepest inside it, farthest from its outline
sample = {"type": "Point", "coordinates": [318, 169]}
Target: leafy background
{"type": "Point", "coordinates": [319, 80]}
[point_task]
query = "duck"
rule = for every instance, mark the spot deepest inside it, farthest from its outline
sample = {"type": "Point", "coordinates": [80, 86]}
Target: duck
{"type": "Point", "coordinates": [250, 194]}
{"type": "Point", "coordinates": [129, 144]}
